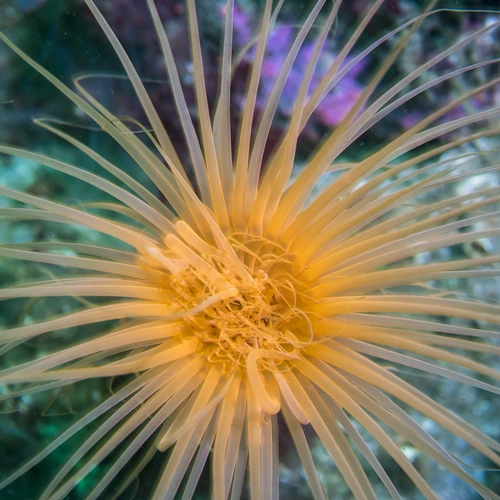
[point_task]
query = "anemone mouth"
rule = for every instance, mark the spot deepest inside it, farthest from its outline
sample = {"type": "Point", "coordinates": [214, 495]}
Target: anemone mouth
{"type": "Point", "coordinates": [246, 308]}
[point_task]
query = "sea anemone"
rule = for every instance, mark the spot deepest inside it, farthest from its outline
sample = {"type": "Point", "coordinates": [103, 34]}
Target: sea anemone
{"type": "Point", "coordinates": [241, 303]}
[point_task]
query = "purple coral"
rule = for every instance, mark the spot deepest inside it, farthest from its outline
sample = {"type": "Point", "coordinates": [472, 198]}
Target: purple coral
{"type": "Point", "coordinates": [336, 103]}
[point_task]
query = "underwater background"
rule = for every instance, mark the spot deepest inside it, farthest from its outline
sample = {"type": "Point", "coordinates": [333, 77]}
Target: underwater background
{"type": "Point", "coordinates": [64, 38]}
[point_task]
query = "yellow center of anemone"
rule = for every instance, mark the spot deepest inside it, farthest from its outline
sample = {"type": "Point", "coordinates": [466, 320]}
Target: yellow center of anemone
{"type": "Point", "coordinates": [238, 298]}
{"type": "Point", "coordinates": [253, 313]}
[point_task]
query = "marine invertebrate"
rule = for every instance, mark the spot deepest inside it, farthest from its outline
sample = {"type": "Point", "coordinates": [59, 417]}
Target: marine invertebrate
{"type": "Point", "coordinates": [247, 297]}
